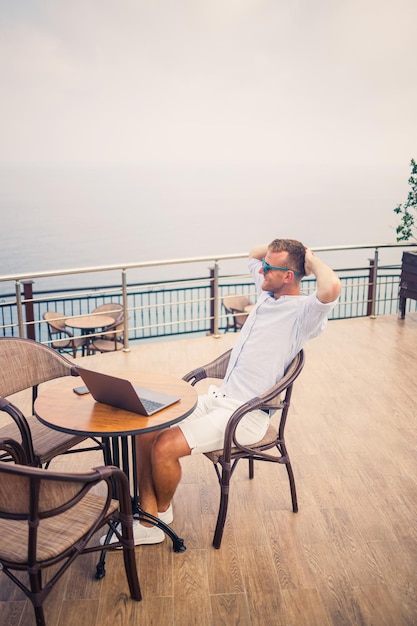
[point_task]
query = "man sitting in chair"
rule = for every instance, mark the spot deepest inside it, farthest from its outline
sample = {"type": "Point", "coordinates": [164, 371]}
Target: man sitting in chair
{"type": "Point", "coordinates": [275, 331]}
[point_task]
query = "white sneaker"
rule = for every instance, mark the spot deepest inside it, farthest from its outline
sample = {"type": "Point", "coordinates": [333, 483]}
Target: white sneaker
{"type": "Point", "coordinates": [166, 516]}
{"type": "Point", "coordinates": [141, 534]}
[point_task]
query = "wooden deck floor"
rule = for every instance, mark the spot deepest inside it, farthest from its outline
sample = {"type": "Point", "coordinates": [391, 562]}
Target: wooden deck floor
{"type": "Point", "coordinates": [347, 557]}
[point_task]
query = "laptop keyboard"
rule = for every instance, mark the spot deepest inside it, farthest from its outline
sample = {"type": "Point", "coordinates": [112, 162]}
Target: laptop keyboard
{"type": "Point", "coordinates": [151, 405]}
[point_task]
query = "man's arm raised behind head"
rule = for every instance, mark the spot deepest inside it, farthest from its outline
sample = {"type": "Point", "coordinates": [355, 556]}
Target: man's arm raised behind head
{"type": "Point", "coordinates": [328, 283]}
{"type": "Point", "coordinates": [259, 252]}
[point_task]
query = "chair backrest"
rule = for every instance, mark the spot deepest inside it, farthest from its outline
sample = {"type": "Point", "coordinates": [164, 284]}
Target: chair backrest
{"type": "Point", "coordinates": [291, 373]}
{"type": "Point", "coordinates": [32, 494]}
{"type": "Point", "coordinates": [234, 307]}
{"type": "Point", "coordinates": [117, 332]}
{"type": "Point", "coordinates": [215, 369]}
{"type": "Point", "coordinates": [235, 303]}
{"type": "Point", "coordinates": [271, 401]}
{"type": "Point", "coordinates": [55, 320]}
{"type": "Point", "coordinates": [34, 507]}
{"type": "Point", "coordinates": [60, 337]}
{"type": "Point", "coordinates": [113, 309]}
{"type": "Point", "coordinates": [25, 363]}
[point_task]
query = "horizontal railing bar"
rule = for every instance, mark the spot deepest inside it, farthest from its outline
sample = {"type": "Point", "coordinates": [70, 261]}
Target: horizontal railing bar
{"type": "Point", "coordinates": [174, 323]}
{"type": "Point", "coordinates": [203, 259]}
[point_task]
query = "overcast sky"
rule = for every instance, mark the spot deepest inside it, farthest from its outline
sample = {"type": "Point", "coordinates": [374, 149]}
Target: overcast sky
{"type": "Point", "coordinates": [222, 81]}
{"type": "Point", "coordinates": [299, 115]}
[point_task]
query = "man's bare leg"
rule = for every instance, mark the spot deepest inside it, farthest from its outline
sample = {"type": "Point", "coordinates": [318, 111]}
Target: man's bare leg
{"type": "Point", "coordinates": [168, 448]}
{"type": "Point", "coordinates": [147, 496]}
{"type": "Point", "coordinates": [159, 469]}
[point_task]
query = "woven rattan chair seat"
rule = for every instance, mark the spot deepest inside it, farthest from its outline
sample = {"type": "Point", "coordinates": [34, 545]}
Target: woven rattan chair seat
{"type": "Point", "coordinates": [269, 437]}
{"type": "Point", "coordinates": [56, 534]}
{"type": "Point", "coordinates": [106, 345]}
{"type": "Point", "coordinates": [47, 443]}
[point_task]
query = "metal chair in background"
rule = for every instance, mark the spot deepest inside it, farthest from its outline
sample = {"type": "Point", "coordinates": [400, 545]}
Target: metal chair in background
{"type": "Point", "coordinates": [235, 306]}
{"type": "Point", "coordinates": [113, 309]}
{"type": "Point", "coordinates": [112, 337]}
{"type": "Point", "coordinates": [60, 337]}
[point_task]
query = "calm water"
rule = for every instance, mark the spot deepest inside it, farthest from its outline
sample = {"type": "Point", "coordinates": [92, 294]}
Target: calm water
{"type": "Point", "coordinates": [59, 218]}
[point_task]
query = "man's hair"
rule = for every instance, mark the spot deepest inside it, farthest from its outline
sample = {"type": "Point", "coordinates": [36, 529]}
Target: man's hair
{"type": "Point", "coordinates": [296, 254]}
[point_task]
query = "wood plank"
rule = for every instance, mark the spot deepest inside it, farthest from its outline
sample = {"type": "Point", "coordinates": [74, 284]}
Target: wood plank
{"type": "Point", "coordinates": [191, 589]}
{"type": "Point", "coordinates": [230, 610]}
{"type": "Point", "coordinates": [262, 586]}
{"type": "Point", "coordinates": [114, 606]}
{"type": "Point", "coordinates": [305, 606]}
{"type": "Point", "coordinates": [11, 612]}
{"type": "Point", "coordinates": [75, 612]}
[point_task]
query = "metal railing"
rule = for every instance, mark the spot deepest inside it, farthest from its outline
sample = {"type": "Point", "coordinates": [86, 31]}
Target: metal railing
{"type": "Point", "coordinates": [188, 305]}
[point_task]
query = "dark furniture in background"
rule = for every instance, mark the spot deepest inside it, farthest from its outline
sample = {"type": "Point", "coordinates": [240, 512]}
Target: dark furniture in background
{"type": "Point", "coordinates": [408, 281]}
{"type": "Point", "coordinates": [61, 338]}
{"type": "Point", "coordinates": [112, 338]}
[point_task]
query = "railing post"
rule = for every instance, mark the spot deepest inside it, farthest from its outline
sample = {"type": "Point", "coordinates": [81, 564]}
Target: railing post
{"type": "Point", "coordinates": [19, 309]}
{"type": "Point", "coordinates": [211, 299]}
{"type": "Point", "coordinates": [373, 283]}
{"type": "Point", "coordinates": [125, 316]}
{"type": "Point", "coordinates": [214, 300]}
{"type": "Point", "coordinates": [30, 315]}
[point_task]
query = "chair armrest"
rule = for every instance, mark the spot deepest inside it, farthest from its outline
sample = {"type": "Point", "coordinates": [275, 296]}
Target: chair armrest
{"type": "Point", "coordinates": [115, 474]}
{"type": "Point", "coordinates": [117, 479]}
{"type": "Point", "coordinates": [13, 449]}
{"type": "Point", "coordinates": [17, 416]}
{"type": "Point", "coordinates": [263, 401]}
{"type": "Point", "coordinates": [214, 369]}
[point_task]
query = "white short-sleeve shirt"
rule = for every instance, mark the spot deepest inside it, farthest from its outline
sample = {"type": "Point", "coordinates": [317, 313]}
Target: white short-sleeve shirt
{"type": "Point", "coordinates": [273, 334]}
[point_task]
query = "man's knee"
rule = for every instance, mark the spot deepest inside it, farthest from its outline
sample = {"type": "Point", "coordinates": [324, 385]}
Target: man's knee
{"type": "Point", "coordinates": [145, 442]}
{"type": "Point", "coordinates": [169, 444]}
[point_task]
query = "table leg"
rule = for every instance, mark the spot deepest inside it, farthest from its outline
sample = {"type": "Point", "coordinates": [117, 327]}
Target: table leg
{"type": "Point", "coordinates": [113, 447]}
{"type": "Point", "coordinates": [177, 542]}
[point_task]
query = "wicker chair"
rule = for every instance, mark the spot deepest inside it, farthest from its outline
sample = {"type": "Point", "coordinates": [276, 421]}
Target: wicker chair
{"type": "Point", "coordinates": [60, 337]}
{"type": "Point", "coordinates": [113, 309]}
{"type": "Point", "coordinates": [25, 364]}
{"type": "Point", "coordinates": [225, 460]}
{"type": "Point", "coordinates": [48, 518]}
{"type": "Point", "coordinates": [109, 341]}
{"type": "Point", "coordinates": [235, 310]}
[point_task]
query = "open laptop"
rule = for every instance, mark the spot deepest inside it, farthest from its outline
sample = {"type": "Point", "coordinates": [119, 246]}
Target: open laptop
{"type": "Point", "coordinates": [120, 393]}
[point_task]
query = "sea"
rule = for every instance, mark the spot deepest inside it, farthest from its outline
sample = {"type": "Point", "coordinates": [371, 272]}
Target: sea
{"type": "Point", "coordinates": [60, 217]}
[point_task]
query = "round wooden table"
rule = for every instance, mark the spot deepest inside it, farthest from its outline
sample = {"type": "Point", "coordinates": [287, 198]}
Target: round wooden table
{"type": "Point", "coordinates": [87, 323]}
{"type": "Point", "coordinates": [90, 325]}
{"type": "Point", "coordinates": [58, 407]}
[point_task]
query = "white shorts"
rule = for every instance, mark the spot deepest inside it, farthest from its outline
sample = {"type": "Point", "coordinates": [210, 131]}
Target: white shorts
{"type": "Point", "coordinates": [204, 428]}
